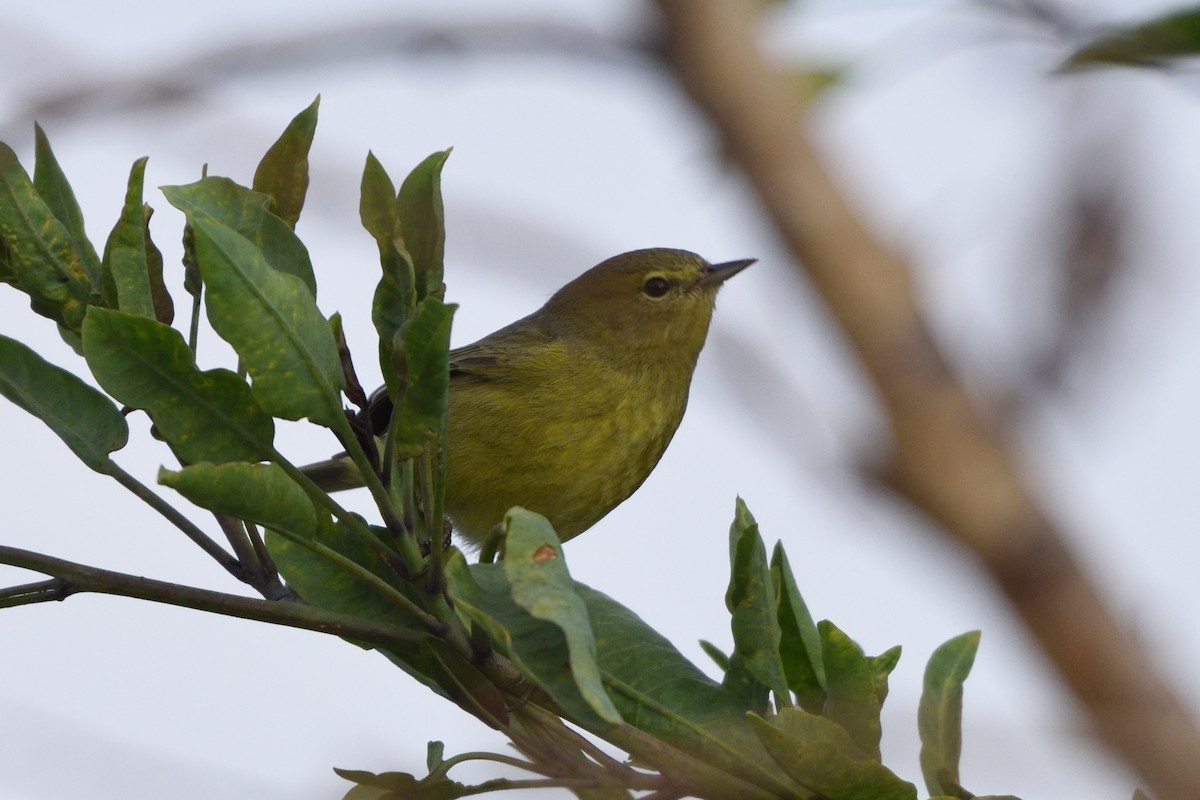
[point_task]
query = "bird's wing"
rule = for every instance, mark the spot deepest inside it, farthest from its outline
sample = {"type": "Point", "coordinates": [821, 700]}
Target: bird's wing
{"type": "Point", "coordinates": [478, 361]}
{"type": "Point", "coordinates": [491, 358]}
{"type": "Point", "coordinates": [496, 355]}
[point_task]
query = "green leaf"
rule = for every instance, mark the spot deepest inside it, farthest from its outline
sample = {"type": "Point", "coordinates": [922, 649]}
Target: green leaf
{"type": "Point", "coordinates": [719, 657]}
{"type": "Point", "coordinates": [235, 207]}
{"type": "Point", "coordinates": [811, 754]}
{"type": "Point", "coordinates": [82, 417]}
{"type": "Point", "coordinates": [403, 786]}
{"type": "Point", "coordinates": [282, 174]}
{"type": "Point", "coordinates": [6, 271]}
{"type": "Point", "coordinates": [1161, 38]}
{"type": "Point", "coordinates": [55, 190]}
{"type": "Point", "coordinates": [422, 223]}
{"type": "Point", "coordinates": [755, 620]}
{"type": "Point", "coordinates": [261, 493]}
{"type": "Point", "coordinates": [367, 793]}
{"type": "Point", "coordinates": [192, 282]}
{"type": "Point", "coordinates": [660, 692]}
{"type": "Point", "coordinates": [323, 583]}
{"type": "Point", "coordinates": [852, 701]}
{"type": "Point", "coordinates": [939, 717]}
{"type": "Point", "coordinates": [395, 296]}
{"type": "Point", "coordinates": [425, 375]}
{"type": "Point", "coordinates": [435, 751]}
{"type": "Point", "coordinates": [206, 416]}
{"type": "Point", "coordinates": [538, 649]}
{"type": "Point", "coordinates": [126, 263]}
{"type": "Point", "coordinates": [881, 667]}
{"type": "Point", "coordinates": [271, 320]}
{"type": "Point", "coordinates": [70, 337]}
{"type": "Point", "coordinates": [800, 642]}
{"type": "Point", "coordinates": [377, 206]}
{"type": "Point", "coordinates": [326, 583]}
{"type": "Point", "coordinates": [809, 729]}
{"type": "Point", "coordinates": [41, 253]}
{"type": "Point", "coordinates": [164, 306]}
{"type": "Point", "coordinates": [542, 586]}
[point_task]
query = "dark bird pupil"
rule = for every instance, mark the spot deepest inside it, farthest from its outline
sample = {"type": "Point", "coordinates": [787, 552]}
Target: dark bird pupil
{"type": "Point", "coordinates": [656, 287]}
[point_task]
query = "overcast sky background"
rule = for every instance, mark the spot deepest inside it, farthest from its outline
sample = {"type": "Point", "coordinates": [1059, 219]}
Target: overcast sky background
{"type": "Point", "coordinates": [951, 136]}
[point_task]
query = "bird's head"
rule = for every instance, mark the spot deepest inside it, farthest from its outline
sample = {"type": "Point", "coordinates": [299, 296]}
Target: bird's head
{"type": "Point", "coordinates": [656, 299]}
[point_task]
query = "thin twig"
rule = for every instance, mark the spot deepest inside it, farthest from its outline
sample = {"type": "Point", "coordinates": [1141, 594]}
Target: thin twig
{"type": "Point", "coordinates": [29, 593]}
{"type": "Point", "coordinates": [73, 578]}
{"type": "Point", "coordinates": [89, 93]}
{"type": "Point", "coordinates": [519, 763]}
{"type": "Point", "coordinates": [433, 526]}
{"type": "Point", "coordinates": [274, 588]}
{"type": "Point", "coordinates": [143, 493]}
{"type": "Point", "coordinates": [235, 533]}
{"type": "Point", "coordinates": [502, 784]}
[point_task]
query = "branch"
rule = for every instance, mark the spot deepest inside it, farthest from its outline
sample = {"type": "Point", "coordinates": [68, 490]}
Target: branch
{"type": "Point", "coordinates": [72, 578]}
{"type": "Point", "coordinates": [143, 493]}
{"type": "Point", "coordinates": [947, 458]}
{"type": "Point", "coordinates": [79, 96]}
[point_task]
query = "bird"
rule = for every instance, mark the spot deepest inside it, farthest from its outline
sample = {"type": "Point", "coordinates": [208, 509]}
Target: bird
{"type": "Point", "coordinates": [567, 411]}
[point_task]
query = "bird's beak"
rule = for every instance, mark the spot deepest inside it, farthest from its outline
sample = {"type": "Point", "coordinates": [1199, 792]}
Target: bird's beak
{"type": "Point", "coordinates": [717, 274]}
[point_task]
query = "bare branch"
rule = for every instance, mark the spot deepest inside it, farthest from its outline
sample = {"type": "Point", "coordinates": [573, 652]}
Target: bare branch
{"type": "Point", "coordinates": [73, 578]}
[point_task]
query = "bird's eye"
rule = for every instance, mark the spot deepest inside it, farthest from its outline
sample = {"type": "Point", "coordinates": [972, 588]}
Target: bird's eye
{"type": "Point", "coordinates": [656, 286]}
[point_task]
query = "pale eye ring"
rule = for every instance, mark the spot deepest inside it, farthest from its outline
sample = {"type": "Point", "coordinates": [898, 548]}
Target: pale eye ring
{"type": "Point", "coordinates": [656, 286]}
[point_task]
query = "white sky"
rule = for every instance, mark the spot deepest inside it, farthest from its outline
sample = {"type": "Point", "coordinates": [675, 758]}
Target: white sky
{"type": "Point", "coordinates": [950, 138]}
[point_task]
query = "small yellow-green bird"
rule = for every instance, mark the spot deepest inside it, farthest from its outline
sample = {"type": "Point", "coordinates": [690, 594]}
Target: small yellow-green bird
{"type": "Point", "coordinates": [567, 411]}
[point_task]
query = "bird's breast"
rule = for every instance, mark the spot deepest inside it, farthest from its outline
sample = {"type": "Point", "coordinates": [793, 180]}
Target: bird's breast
{"type": "Point", "coordinates": [570, 443]}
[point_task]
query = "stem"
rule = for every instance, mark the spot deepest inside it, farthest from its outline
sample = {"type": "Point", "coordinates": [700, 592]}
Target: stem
{"type": "Point", "coordinates": [501, 784]}
{"type": "Point", "coordinates": [194, 323]}
{"type": "Point", "coordinates": [29, 593]}
{"type": "Point", "coordinates": [379, 493]}
{"type": "Point", "coordinates": [490, 547]}
{"type": "Point", "coordinates": [143, 493]}
{"type": "Point", "coordinates": [519, 763]}
{"type": "Point", "coordinates": [275, 590]}
{"type": "Point", "coordinates": [550, 720]}
{"type": "Point", "coordinates": [675, 766]}
{"type": "Point", "coordinates": [406, 494]}
{"type": "Point", "coordinates": [433, 526]}
{"type": "Point", "coordinates": [73, 578]}
{"type": "Point", "coordinates": [235, 533]}
{"type": "Point", "coordinates": [403, 527]}
{"type": "Point", "coordinates": [439, 497]}
{"type": "Point", "coordinates": [604, 759]}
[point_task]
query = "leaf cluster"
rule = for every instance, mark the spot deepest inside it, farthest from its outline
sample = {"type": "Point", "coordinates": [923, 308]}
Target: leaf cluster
{"type": "Point", "coordinates": [516, 641]}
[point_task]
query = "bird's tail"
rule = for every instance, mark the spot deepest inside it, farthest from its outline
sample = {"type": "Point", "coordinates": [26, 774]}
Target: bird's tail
{"type": "Point", "coordinates": [336, 474]}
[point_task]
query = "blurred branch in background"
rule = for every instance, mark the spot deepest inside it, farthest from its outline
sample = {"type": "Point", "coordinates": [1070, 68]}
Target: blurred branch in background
{"type": "Point", "coordinates": [1087, 274]}
{"type": "Point", "coordinates": [82, 94]}
{"type": "Point", "coordinates": [947, 458]}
